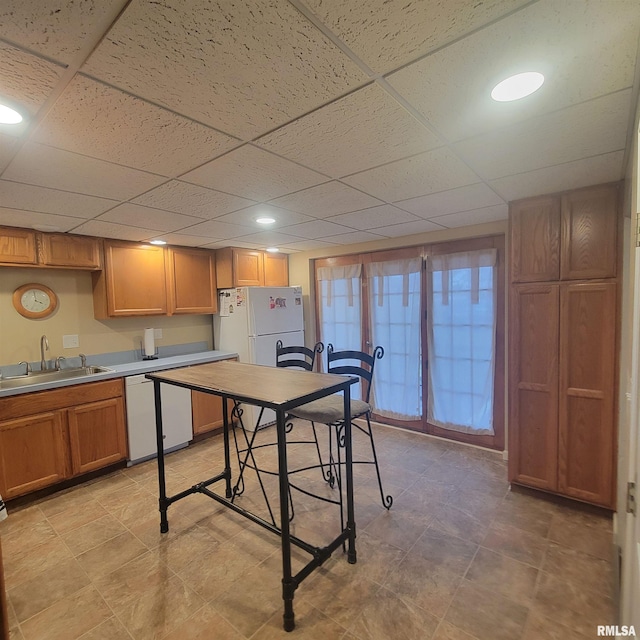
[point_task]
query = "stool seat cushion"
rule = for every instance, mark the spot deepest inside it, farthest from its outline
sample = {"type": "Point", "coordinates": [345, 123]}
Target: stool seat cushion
{"type": "Point", "coordinates": [329, 410]}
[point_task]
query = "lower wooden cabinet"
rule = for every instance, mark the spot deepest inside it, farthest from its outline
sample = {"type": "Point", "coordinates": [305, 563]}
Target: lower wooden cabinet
{"type": "Point", "coordinates": [562, 388]}
{"type": "Point", "coordinates": [206, 411]}
{"type": "Point", "coordinates": [50, 436]}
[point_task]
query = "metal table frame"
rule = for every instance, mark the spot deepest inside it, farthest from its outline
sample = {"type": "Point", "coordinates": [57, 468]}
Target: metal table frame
{"type": "Point", "coordinates": [228, 380]}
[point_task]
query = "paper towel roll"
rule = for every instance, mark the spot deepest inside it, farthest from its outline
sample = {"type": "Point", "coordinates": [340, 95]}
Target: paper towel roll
{"type": "Point", "coordinates": [149, 343]}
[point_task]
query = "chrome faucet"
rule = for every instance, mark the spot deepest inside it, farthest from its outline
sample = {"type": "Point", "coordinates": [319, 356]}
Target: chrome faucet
{"type": "Point", "coordinates": [44, 346]}
{"type": "Point", "coordinates": [28, 365]}
{"type": "Point", "coordinates": [59, 359]}
{"type": "Point", "coordinates": [83, 360]}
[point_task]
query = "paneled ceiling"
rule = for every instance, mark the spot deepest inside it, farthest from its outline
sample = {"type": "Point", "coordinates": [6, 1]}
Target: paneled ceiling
{"type": "Point", "coordinates": [185, 120]}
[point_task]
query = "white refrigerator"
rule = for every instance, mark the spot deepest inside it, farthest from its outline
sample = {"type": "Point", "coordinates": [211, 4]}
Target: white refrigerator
{"type": "Point", "coordinates": [250, 320]}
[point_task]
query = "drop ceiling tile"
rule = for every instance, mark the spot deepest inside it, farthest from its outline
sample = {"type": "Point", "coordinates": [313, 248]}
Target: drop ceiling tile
{"type": "Point", "coordinates": [183, 239]}
{"type": "Point", "coordinates": [254, 173]}
{"type": "Point", "coordinates": [571, 43]}
{"type": "Point", "coordinates": [30, 198]}
{"type": "Point", "coordinates": [317, 229]}
{"type": "Point", "coordinates": [221, 230]}
{"type": "Point", "coordinates": [191, 199]}
{"type": "Point", "coordinates": [247, 217]}
{"type": "Point", "coordinates": [408, 228]}
{"type": "Point", "coordinates": [8, 146]}
{"type": "Point", "coordinates": [328, 199]}
{"type": "Point", "coordinates": [428, 172]}
{"type": "Point", "coordinates": [36, 220]}
{"type": "Point", "coordinates": [355, 237]}
{"type": "Point", "coordinates": [362, 130]}
{"type": "Point", "coordinates": [48, 167]}
{"type": "Point", "coordinates": [148, 218]}
{"type": "Point", "coordinates": [476, 216]}
{"type": "Point", "coordinates": [387, 34]}
{"type": "Point", "coordinates": [267, 239]}
{"type": "Point", "coordinates": [99, 121]}
{"type": "Point", "coordinates": [473, 196]}
{"type": "Point", "coordinates": [607, 167]}
{"type": "Point", "coordinates": [374, 217]}
{"type": "Point", "coordinates": [588, 129]}
{"type": "Point", "coordinates": [56, 29]}
{"type": "Point", "coordinates": [113, 230]}
{"type": "Point", "coordinates": [266, 65]}
{"type": "Point", "coordinates": [220, 244]}
{"type": "Point", "coordinates": [306, 245]}
{"type": "Point", "coordinates": [26, 79]}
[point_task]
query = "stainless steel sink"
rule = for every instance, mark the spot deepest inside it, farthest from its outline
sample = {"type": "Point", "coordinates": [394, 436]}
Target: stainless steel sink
{"type": "Point", "coordinates": [38, 377]}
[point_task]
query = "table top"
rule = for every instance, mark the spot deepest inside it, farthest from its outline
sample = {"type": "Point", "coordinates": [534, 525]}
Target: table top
{"type": "Point", "coordinates": [272, 387]}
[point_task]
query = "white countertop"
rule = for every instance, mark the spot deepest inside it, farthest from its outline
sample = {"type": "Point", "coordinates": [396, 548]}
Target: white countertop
{"type": "Point", "coordinates": [127, 369]}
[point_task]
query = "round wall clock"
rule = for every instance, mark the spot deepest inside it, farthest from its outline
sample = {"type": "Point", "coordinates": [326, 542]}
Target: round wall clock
{"type": "Point", "coordinates": [34, 300]}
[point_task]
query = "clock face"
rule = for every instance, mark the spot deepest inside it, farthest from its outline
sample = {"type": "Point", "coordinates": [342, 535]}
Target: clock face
{"type": "Point", "coordinates": [34, 301]}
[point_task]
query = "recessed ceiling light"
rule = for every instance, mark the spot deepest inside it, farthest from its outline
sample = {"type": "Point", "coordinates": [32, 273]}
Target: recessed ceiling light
{"type": "Point", "coordinates": [157, 242]}
{"type": "Point", "coordinates": [518, 86]}
{"type": "Point", "coordinates": [9, 115]}
{"type": "Point", "coordinates": [265, 220]}
{"type": "Point", "coordinates": [273, 249]}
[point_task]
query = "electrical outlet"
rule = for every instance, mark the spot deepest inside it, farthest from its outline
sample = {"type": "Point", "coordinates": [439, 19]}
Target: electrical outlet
{"type": "Point", "coordinates": [157, 333]}
{"type": "Point", "coordinates": [70, 342]}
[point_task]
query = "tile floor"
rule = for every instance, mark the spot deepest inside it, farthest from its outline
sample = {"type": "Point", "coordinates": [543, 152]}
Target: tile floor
{"type": "Point", "coordinates": [458, 557]}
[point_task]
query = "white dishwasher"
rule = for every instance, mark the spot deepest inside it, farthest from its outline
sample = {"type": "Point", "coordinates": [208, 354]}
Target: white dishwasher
{"type": "Point", "coordinates": [141, 418]}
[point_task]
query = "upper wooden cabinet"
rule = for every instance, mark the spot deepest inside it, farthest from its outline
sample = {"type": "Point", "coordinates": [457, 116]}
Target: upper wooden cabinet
{"type": "Point", "coordinates": [133, 282]}
{"type": "Point", "coordinates": [17, 246]}
{"type": "Point", "coordinates": [535, 239]}
{"type": "Point", "coordinates": [69, 251]}
{"type": "Point", "coordinates": [251, 268]}
{"type": "Point", "coordinates": [276, 269]}
{"type": "Point", "coordinates": [24, 247]}
{"type": "Point", "coordinates": [570, 236]}
{"type": "Point", "coordinates": [191, 281]}
{"type": "Point", "coordinates": [145, 280]}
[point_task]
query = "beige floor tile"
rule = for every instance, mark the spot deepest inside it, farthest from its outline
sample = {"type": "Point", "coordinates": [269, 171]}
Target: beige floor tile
{"type": "Point", "coordinates": [447, 631]}
{"type": "Point", "coordinates": [26, 566]}
{"type": "Point", "coordinates": [399, 527]}
{"type": "Point", "coordinates": [21, 518]}
{"type": "Point", "coordinates": [68, 618]}
{"type": "Point", "coordinates": [582, 569]}
{"type": "Point", "coordinates": [458, 522]}
{"type": "Point", "coordinates": [540, 628]}
{"type": "Point", "coordinates": [22, 542]}
{"type": "Point", "coordinates": [181, 549]}
{"type": "Point", "coordinates": [205, 624]}
{"type": "Point", "coordinates": [527, 513]}
{"type": "Point", "coordinates": [160, 610]}
{"type": "Point", "coordinates": [110, 629]}
{"type": "Point", "coordinates": [520, 545]}
{"type": "Point", "coordinates": [501, 574]}
{"type": "Point", "coordinates": [486, 615]}
{"type": "Point", "coordinates": [443, 550]}
{"type": "Point", "coordinates": [93, 534]}
{"type": "Point", "coordinates": [111, 555]}
{"type": "Point", "coordinates": [387, 616]}
{"type": "Point", "coordinates": [73, 517]}
{"type": "Point", "coordinates": [60, 580]}
{"type": "Point", "coordinates": [130, 504]}
{"type": "Point", "coordinates": [74, 497]}
{"type": "Point", "coordinates": [596, 541]}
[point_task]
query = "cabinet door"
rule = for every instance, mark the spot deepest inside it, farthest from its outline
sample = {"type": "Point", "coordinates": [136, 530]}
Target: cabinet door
{"type": "Point", "coordinates": [589, 233]}
{"type": "Point", "coordinates": [206, 410]}
{"type": "Point", "coordinates": [63, 250]}
{"type": "Point", "coordinates": [587, 377]}
{"type": "Point", "coordinates": [534, 226]}
{"type": "Point", "coordinates": [135, 279]}
{"type": "Point", "coordinates": [191, 281]}
{"type": "Point", "coordinates": [248, 268]}
{"type": "Point", "coordinates": [33, 453]}
{"type": "Point", "coordinates": [276, 270]}
{"type": "Point", "coordinates": [97, 435]}
{"type": "Point", "coordinates": [533, 406]}
{"type": "Point", "coordinates": [17, 246]}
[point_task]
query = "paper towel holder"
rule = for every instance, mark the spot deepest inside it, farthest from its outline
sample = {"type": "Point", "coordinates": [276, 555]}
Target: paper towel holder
{"type": "Point", "coordinates": [153, 357]}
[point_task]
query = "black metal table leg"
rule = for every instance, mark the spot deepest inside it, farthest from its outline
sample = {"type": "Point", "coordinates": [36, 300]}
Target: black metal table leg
{"type": "Point", "coordinates": [351, 520]}
{"type": "Point", "coordinates": [162, 487]}
{"type": "Point", "coordinates": [288, 585]}
{"type": "Point", "coordinates": [227, 455]}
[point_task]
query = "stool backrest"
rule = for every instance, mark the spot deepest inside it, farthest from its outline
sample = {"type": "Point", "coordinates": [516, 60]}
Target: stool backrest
{"type": "Point", "coordinates": [301, 357]}
{"type": "Point", "coordinates": [354, 363]}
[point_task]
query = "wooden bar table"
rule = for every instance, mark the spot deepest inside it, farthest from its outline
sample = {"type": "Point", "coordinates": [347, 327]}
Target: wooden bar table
{"type": "Point", "coordinates": [274, 388]}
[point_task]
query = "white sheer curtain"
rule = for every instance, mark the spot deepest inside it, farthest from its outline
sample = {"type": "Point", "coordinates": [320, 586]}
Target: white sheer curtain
{"type": "Point", "coordinates": [461, 340]}
{"type": "Point", "coordinates": [394, 288]}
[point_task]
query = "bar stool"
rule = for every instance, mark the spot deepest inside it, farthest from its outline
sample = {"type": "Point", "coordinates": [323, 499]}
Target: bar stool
{"type": "Point", "coordinates": [330, 411]}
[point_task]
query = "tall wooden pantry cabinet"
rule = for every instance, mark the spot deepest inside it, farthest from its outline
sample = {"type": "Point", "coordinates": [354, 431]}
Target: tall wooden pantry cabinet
{"type": "Point", "coordinates": [563, 343]}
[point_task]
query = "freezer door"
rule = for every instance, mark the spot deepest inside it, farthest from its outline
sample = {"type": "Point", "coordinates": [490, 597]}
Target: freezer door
{"type": "Point", "coordinates": [274, 310]}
